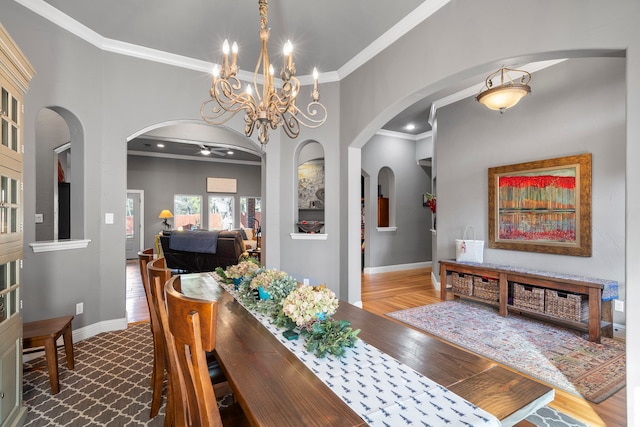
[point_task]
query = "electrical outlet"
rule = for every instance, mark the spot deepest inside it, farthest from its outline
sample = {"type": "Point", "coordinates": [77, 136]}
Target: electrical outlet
{"type": "Point", "coordinates": [619, 305]}
{"type": "Point", "coordinates": [305, 282]}
{"type": "Point", "coordinates": [80, 308]}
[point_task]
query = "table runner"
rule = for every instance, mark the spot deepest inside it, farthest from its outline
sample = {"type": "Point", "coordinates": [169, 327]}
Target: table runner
{"type": "Point", "coordinates": [379, 388]}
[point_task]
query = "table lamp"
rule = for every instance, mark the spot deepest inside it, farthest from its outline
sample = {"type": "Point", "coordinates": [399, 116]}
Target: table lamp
{"type": "Point", "coordinates": [166, 213]}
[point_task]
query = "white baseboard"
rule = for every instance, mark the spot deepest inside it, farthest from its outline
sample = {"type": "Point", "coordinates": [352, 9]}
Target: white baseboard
{"type": "Point", "coordinates": [397, 267]}
{"type": "Point", "coordinates": [98, 328]}
{"type": "Point", "coordinates": [434, 280]}
{"type": "Point", "coordinates": [619, 331]}
{"type": "Point", "coordinates": [87, 332]}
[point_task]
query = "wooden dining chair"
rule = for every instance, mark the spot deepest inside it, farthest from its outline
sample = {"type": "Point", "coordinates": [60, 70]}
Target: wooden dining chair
{"type": "Point", "coordinates": [157, 269]}
{"type": "Point", "coordinates": [192, 324]}
{"type": "Point", "coordinates": [157, 372]}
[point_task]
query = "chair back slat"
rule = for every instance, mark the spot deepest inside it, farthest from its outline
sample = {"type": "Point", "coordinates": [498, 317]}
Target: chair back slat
{"type": "Point", "coordinates": [157, 375]}
{"type": "Point", "coordinates": [188, 317]}
{"type": "Point", "coordinates": [158, 268]}
{"type": "Point", "coordinates": [176, 410]}
{"type": "Point", "coordinates": [144, 258]}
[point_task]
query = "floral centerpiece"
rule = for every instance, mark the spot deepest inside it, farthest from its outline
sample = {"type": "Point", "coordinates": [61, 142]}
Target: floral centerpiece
{"type": "Point", "coordinates": [299, 309]}
{"type": "Point", "coordinates": [244, 268]}
{"type": "Point", "coordinates": [307, 304]}
{"type": "Point", "coordinates": [273, 286]}
{"type": "Point", "coordinates": [310, 309]}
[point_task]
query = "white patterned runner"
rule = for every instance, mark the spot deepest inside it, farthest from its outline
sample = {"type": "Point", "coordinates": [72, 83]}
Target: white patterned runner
{"type": "Point", "coordinates": [379, 388]}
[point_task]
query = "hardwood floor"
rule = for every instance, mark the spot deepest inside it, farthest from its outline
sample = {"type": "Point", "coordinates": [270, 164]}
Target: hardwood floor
{"type": "Point", "coordinates": [386, 292]}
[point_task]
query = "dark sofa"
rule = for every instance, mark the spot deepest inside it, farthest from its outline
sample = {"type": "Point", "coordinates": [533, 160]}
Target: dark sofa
{"type": "Point", "coordinates": [200, 251]}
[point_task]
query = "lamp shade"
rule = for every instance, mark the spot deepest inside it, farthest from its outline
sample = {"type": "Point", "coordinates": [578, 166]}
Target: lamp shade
{"type": "Point", "coordinates": [503, 97]}
{"type": "Point", "coordinates": [166, 213]}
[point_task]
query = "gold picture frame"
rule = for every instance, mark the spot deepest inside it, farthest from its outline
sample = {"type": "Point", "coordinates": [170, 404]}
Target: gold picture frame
{"type": "Point", "coordinates": [542, 206]}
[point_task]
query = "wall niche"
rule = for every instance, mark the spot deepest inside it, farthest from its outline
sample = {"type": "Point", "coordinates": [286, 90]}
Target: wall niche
{"type": "Point", "coordinates": [311, 196]}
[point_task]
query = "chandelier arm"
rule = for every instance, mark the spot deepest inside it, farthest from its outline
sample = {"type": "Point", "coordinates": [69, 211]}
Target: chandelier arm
{"type": "Point", "coordinates": [224, 92]}
{"type": "Point", "coordinates": [315, 116]}
{"type": "Point", "coordinates": [291, 125]}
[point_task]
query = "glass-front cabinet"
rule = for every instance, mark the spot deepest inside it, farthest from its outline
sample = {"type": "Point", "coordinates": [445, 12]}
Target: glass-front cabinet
{"type": "Point", "coordinates": [15, 75]}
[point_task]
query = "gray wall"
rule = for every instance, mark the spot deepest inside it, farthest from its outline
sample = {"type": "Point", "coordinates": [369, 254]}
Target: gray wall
{"type": "Point", "coordinates": [115, 97]}
{"type": "Point", "coordinates": [411, 242]}
{"type": "Point", "coordinates": [162, 178]}
{"type": "Point", "coordinates": [558, 119]}
{"type": "Point", "coordinates": [317, 260]}
{"type": "Point", "coordinates": [450, 47]}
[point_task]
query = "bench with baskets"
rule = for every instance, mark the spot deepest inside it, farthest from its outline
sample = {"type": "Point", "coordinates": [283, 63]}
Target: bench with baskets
{"type": "Point", "coordinates": [578, 302]}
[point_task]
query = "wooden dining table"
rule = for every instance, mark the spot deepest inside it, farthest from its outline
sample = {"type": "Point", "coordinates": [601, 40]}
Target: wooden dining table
{"type": "Point", "coordinates": [275, 388]}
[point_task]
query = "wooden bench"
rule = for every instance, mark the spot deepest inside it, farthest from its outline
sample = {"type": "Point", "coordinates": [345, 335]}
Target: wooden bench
{"type": "Point", "coordinates": [599, 292]}
{"type": "Point", "coordinates": [45, 333]}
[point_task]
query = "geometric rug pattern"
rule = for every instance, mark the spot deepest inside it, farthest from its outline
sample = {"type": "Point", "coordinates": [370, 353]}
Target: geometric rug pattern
{"type": "Point", "coordinates": [561, 357]}
{"type": "Point", "coordinates": [110, 385]}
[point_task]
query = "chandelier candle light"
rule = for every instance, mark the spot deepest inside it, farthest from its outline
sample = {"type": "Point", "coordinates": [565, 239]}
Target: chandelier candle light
{"type": "Point", "coordinates": [268, 108]}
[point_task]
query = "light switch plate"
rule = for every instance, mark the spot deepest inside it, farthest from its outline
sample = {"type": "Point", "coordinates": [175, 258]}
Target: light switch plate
{"type": "Point", "coordinates": [618, 305]}
{"type": "Point", "coordinates": [39, 219]}
{"type": "Point", "coordinates": [108, 218]}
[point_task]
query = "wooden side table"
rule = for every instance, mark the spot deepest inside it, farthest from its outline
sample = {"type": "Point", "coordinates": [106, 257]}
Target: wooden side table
{"type": "Point", "coordinates": [46, 333]}
{"type": "Point", "coordinates": [255, 253]}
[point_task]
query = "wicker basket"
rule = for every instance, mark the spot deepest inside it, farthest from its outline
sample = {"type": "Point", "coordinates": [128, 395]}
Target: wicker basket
{"type": "Point", "coordinates": [566, 305]}
{"type": "Point", "coordinates": [485, 288]}
{"type": "Point", "coordinates": [528, 297]}
{"type": "Point", "coordinates": [462, 284]}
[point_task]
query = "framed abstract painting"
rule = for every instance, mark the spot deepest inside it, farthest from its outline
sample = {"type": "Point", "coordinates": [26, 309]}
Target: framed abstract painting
{"type": "Point", "coordinates": [542, 206]}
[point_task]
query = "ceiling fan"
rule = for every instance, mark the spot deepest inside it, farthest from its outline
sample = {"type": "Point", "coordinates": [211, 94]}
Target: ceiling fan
{"type": "Point", "coordinates": [207, 150]}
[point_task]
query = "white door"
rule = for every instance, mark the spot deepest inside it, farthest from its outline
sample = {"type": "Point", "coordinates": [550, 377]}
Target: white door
{"type": "Point", "coordinates": [133, 225]}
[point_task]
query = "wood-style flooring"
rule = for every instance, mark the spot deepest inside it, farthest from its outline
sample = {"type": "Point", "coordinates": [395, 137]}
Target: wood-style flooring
{"type": "Point", "coordinates": [386, 292]}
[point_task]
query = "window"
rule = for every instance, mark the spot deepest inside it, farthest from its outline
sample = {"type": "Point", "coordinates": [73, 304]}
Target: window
{"type": "Point", "coordinates": [220, 213]}
{"type": "Point", "coordinates": [187, 211]}
{"type": "Point", "coordinates": [129, 218]}
{"type": "Point", "coordinates": [250, 212]}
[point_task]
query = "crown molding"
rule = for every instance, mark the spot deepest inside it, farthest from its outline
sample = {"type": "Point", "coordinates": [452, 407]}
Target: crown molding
{"type": "Point", "coordinates": [402, 135]}
{"type": "Point", "coordinates": [42, 8]}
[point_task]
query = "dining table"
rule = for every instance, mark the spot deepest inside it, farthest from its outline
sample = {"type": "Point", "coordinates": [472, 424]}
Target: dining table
{"type": "Point", "coordinates": [276, 387]}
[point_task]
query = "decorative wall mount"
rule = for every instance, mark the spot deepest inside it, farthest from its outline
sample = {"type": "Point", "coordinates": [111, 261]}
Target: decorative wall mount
{"type": "Point", "coordinates": [542, 206]}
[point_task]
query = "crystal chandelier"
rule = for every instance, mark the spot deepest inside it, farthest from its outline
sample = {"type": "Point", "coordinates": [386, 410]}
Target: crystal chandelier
{"type": "Point", "coordinates": [265, 108]}
{"type": "Point", "coordinates": [508, 93]}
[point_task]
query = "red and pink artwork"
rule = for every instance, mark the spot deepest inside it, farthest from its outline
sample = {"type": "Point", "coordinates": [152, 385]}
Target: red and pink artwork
{"type": "Point", "coordinates": [542, 206]}
{"type": "Point", "coordinates": [538, 207]}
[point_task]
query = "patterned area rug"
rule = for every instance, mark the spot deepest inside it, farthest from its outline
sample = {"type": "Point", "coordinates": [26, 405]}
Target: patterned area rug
{"type": "Point", "coordinates": [561, 357]}
{"type": "Point", "coordinates": [110, 386]}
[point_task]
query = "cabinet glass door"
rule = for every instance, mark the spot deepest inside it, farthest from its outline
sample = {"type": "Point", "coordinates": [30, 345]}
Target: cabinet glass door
{"type": "Point", "coordinates": [8, 290]}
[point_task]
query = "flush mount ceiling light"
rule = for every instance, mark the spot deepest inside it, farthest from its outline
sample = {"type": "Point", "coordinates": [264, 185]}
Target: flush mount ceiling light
{"type": "Point", "coordinates": [266, 108]}
{"type": "Point", "coordinates": [508, 93]}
